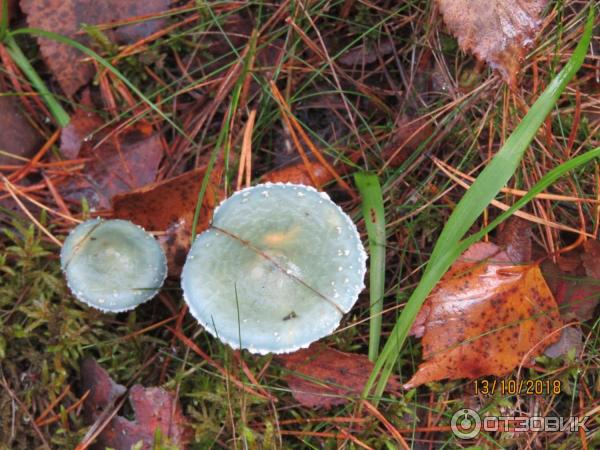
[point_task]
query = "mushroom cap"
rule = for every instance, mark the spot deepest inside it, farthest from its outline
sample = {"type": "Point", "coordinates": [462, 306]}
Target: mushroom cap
{"type": "Point", "coordinates": [277, 269]}
{"type": "Point", "coordinates": [112, 265]}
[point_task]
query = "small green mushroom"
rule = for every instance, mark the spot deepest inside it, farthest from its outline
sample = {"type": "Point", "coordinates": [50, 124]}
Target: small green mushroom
{"type": "Point", "coordinates": [112, 265]}
{"type": "Point", "coordinates": [277, 269]}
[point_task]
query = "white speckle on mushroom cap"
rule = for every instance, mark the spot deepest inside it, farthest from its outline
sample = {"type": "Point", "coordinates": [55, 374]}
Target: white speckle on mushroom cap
{"type": "Point", "coordinates": [268, 268]}
{"type": "Point", "coordinates": [112, 259]}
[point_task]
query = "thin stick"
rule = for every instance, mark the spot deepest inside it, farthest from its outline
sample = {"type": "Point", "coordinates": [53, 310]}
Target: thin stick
{"type": "Point", "coordinates": [246, 153]}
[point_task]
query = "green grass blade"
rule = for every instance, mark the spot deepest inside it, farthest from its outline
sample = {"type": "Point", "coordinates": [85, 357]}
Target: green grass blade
{"type": "Point", "coordinates": [3, 19]}
{"type": "Point", "coordinates": [60, 115]}
{"type": "Point", "coordinates": [547, 180]}
{"type": "Point", "coordinates": [487, 185]}
{"type": "Point", "coordinates": [374, 215]}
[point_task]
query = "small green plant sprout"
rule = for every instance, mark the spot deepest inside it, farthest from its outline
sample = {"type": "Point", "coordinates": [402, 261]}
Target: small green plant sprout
{"type": "Point", "coordinates": [276, 270]}
{"type": "Point", "coordinates": [112, 265]}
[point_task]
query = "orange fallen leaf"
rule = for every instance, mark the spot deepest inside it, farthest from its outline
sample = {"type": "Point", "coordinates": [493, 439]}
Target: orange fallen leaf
{"type": "Point", "coordinates": [496, 31]}
{"type": "Point", "coordinates": [120, 162]}
{"type": "Point", "coordinates": [486, 316]}
{"type": "Point", "coordinates": [154, 408]}
{"type": "Point", "coordinates": [322, 377]}
{"type": "Point", "coordinates": [66, 17]}
{"type": "Point", "coordinates": [300, 174]}
{"type": "Point", "coordinates": [169, 206]}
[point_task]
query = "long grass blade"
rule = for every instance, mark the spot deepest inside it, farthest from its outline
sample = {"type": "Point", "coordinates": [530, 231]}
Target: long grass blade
{"type": "Point", "coordinates": [374, 215]}
{"type": "Point", "coordinates": [55, 108]}
{"type": "Point", "coordinates": [487, 185]}
{"type": "Point", "coordinates": [103, 62]}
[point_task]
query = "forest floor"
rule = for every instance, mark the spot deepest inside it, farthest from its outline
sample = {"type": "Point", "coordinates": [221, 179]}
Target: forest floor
{"type": "Point", "coordinates": [231, 94]}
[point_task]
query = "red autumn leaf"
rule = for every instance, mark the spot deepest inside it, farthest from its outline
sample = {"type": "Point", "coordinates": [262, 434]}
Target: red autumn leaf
{"type": "Point", "coordinates": [18, 137]}
{"type": "Point", "coordinates": [66, 17]}
{"type": "Point", "coordinates": [322, 377]}
{"type": "Point", "coordinates": [120, 162]}
{"type": "Point", "coordinates": [154, 409]}
{"type": "Point", "coordinates": [169, 206]}
{"type": "Point", "coordinates": [496, 31]}
{"type": "Point", "coordinates": [485, 317]}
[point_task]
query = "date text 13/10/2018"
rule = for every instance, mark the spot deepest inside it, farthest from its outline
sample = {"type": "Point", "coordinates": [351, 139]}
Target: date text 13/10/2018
{"type": "Point", "coordinates": [511, 386]}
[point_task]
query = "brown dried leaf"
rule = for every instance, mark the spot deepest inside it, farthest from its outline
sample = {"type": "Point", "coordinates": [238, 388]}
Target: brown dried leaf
{"type": "Point", "coordinates": [484, 317]}
{"type": "Point", "coordinates": [17, 136]}
{"type": "Point", "coordinates": [78, 133]}
{"type": "Point", "coordinates": [66, 17]}
{"type": "Point", "coordinates": [515, 238]}
{"type": "Point", "coordinates": [571, 338]}
{"type": "Point", "coordinates": [169, 206]}
{"type": "Point", "coordinates": [154, 409]}
{"type": "Point", "coordinates": [496, 31]}
{"type": "Point", "coordinates": [324, 377]}
{"type": "Point", "coordinates": [591, 258]}
{"type": "Point", "coordinates": [575, 281]}
{"type": "Point", "coordinates": [367, 53]}
{"type": "Point", "coordinates": [120, 163]}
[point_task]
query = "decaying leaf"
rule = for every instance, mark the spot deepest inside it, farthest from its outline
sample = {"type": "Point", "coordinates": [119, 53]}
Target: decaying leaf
{"type": "Point", "coordinates": [66, 17]}
{"type": "Point", "coordinates": [322, 377]}
{"type": "Point", "coordinates": [120, 162]}
{"type": "Point", "coordinates": [496, 31]}
{"type": "Point", "coordinates": [514, 238]}
{"type": "Point", "coordinates": [591, 258]}
{"type": "Point", "coordinates": [367, 53]}
{"type": "Point", "coordinates": [154, 409]}
{"type": "Point", "coordinates": [571, 339]}
{"type": "Point", "coordinates": [169, 206]}
{"type": "Point", "coordinates": [485, 317]}
{"type": "Point", "coordinates": [83, 127]}
{"type": "Point", "coordinates": [18, 138]}
{"type": "Point", "coordinates": [575, 281]}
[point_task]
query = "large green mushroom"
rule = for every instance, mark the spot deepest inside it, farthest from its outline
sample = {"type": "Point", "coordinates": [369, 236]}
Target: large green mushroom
{"type": "Point", "coordinates": [112, 265]}
{"type": "Point", "coordinates": [277, 269]}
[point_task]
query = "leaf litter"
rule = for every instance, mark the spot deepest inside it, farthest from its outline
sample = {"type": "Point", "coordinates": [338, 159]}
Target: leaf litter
{"type": "Point", "coordinates": [169, 206]}
{"type": "Point", "coordinates": [154, 409]}
{"type": "Point", "coordinates": [18, 137]}
{"type": "Point", "coordinates": [66, 17]}
{"type": "Point", "coordinates": [496, 31]}
{"type": "Point", "coordinates": [323, 377]}
{"type": "Point", "coordinates": [117, 161]}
